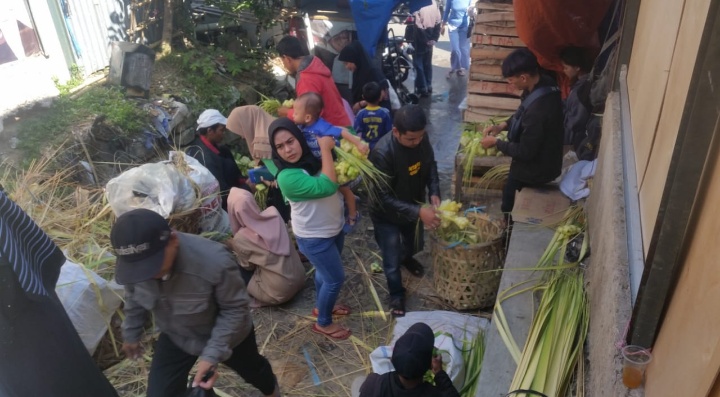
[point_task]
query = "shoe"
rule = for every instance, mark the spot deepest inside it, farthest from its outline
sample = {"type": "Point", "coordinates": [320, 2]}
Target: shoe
{"type": "Point", "coordinates": [397, 307]}
{"type": "Point", "coordinates": [414, 267]}
{"type": "Point", "coordinates": [450, 73]}
{"type": "Point", "coordinates": [461, 72]}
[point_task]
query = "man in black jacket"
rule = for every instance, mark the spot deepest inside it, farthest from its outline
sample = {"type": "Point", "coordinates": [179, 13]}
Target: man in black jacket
{"type": "Point", "coordinates": [408, 160]}
{"type": "Point", "coordinates": [535, 132]}
{"type": "Point", "coordinates": [216, 158]}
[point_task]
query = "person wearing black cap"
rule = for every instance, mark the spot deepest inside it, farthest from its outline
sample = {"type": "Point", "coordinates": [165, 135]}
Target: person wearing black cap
{"type": "Point", "coordinates": [412, 357]}
{"type": "Point", "coordinates": [194, 288]}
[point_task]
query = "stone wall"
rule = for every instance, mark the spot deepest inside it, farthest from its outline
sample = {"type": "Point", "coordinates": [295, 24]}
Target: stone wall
{"type": "Point", "coordinates": [607, 275]}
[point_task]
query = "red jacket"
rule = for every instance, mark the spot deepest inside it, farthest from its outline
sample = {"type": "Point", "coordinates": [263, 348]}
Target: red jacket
{"type": "Point", "coordinates": [314, 76]}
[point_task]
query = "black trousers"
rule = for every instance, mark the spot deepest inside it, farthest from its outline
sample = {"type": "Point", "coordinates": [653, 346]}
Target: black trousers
{"type": "Point", "coordinates": [171, 366]}
{"type": "Point", "coordinates": [512, 186]}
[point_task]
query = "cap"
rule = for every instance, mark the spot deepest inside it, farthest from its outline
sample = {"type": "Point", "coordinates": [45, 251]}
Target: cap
{"type": "Point", "coordinates": [209, 118]}
{"type": "Point", "coordinates": [412, 354]}
{"type": "Point", "coordinates": [139, 238]}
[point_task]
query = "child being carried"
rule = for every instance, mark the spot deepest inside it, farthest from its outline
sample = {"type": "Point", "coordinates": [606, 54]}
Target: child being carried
{"type": "Point", "coordinates": [306, 114]}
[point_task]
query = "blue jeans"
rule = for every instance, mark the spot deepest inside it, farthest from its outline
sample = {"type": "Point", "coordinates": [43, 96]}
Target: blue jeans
{"type": "Point", "coordinates": [324, 254]}
{"type": "Point", "coordinates": [397, 242]}
{"type": "Point", "coordinates": [422, 62]}
{"type": "Point", "coordinates": [459, 49]}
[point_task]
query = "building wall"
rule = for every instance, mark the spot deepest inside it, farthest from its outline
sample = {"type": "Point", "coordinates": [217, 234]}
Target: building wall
{"type": "Point", "coordinates": [665, 49]}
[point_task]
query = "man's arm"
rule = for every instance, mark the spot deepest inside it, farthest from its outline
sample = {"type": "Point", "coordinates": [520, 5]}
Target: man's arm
{"type": "Point", "coordinates": [444, 385]}
{"type": "Point", "coordinates": [135, 316]}
{"type": "Point", "coordinates": [233, 313]}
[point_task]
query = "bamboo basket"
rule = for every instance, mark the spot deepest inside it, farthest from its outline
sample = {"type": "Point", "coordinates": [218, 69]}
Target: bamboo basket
{"type": "Point", "coordinates": [463, 275]}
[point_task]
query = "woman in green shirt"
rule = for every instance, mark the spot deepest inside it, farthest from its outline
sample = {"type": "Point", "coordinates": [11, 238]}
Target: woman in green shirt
{"type": "Point", "coordinates": [310, 186]}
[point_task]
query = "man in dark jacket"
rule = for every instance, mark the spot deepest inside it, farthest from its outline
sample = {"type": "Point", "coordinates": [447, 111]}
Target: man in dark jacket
{"type": "Point", "coordinates": [193, 287]}
{"type": "Point", "coordinates": [412, 357]}
{"type": "Point", "coordinates": [423, 35]}
{"type": "Point", "coordinates": [408, 160]}
{"type": "Point", "coordinates": [216, 158]}
{"type": "Point", "coordinates": [312, 76]}
{"type": "Point", "coordinates": [535, 132]}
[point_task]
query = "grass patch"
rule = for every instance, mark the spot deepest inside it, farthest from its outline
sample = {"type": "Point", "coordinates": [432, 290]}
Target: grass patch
{"type": "Point", "coordinates": [54, 126]}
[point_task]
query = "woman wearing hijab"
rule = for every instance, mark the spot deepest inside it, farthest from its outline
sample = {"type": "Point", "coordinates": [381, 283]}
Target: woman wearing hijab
{"type": "Point", "coordinates": [42, 354]}
{"type": "Point", "coordinates": [251, 123]}
{"type": "Point", "coordinates": [269, 262]}
{"type": "Point", "coordinates": [310, 186]}
{"type": "Point", "coordinates": [356, 60]}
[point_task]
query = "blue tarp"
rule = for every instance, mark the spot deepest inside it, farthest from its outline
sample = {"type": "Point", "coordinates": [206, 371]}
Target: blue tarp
{"type": "Point", "coordinates": [372, 16]}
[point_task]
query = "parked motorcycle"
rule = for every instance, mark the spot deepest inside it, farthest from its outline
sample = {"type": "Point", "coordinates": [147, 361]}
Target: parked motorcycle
{"type": "Point", "coordinates": [396, 64]}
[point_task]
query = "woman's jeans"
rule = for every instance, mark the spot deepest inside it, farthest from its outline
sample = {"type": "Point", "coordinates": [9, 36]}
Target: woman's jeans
{"type": "Point", "coordinates": [459, 49]}
{"type": "Point", "coordinates": [324, 254]}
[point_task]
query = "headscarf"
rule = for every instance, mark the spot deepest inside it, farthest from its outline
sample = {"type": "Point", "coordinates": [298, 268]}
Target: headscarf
{"type": "Point", "coordinates": [251, 123]}
{"type": "Point", "coordinates": [412, 354]}
{"type": "Point", "coordinates": [35, 259]}
{"type": "Point", "coordinates": [265, 229]}
{"type": "Point", "coordinates": [364, 71]}
{"type": "Point", "coordinates": [307, 161]}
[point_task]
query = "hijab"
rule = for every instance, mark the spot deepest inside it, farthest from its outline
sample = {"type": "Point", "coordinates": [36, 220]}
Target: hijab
{"type": "Point", "coordinates": [364, 72]}
{"type": "Point", "coordinates": [307, 161]}
{"type": "Point", "coordinates": [265, 229]}
{"type": "Point", "coordinates": [251, 123]}
{"type": "Point", "coordinates": [34, 258]}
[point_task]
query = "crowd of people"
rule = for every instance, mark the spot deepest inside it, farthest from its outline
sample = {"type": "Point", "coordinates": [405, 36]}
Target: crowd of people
{"type": "Point", "coordinates": [201, 291]}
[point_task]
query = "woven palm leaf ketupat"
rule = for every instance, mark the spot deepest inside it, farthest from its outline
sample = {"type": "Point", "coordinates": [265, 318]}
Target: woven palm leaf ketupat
{"type": "Point", "coordinates": [463, 274]}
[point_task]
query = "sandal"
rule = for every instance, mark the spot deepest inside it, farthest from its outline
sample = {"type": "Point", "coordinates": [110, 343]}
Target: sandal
{"type": "Point", "coordinates": [338, 310]}
{"type": "Point", "coordinates": [414, 267]}
{"type": "Point", "coordinates": [339, 334]}
{"type": "Point", "coordinates": [397, 307]}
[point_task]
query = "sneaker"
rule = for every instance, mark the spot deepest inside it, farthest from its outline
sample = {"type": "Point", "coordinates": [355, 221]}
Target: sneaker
{"type": "Point", "coordinates": [450, 73]}
{"type": "Point", "coordinates": [461, 72]}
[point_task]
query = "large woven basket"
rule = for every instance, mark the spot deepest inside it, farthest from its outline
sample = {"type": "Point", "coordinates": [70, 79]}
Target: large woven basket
{"type": "Point", "coordinates": [461, 272]}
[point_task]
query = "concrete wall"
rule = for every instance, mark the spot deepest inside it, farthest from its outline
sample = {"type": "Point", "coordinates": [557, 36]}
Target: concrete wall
{"type": "Point", "coordinates": [607, 274]}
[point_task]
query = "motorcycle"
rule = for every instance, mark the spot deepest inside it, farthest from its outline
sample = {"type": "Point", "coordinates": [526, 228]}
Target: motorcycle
{"type": "Point", "coordinates": [396, 64]}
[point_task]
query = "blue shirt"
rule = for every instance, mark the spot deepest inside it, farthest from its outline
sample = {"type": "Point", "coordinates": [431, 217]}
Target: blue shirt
{"type": "Point", "coordinates": [372, 123]}
{"type": "Point", "coordinates": [319, 128]}
{"type": "Point", "coordinates": [456, 13]}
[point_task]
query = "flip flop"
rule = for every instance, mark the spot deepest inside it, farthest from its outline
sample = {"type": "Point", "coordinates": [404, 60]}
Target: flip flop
{"type": "Point", "coordinates": [397, 307]}
{"type": "Point", "coordinates": [340, 334]}
{"type": "Point", "coordinates": [338, 310]}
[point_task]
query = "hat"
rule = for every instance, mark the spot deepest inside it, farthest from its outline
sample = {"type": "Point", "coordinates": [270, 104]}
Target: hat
{"type": "Point", "coordinates": [412, 354]}
{"type": "Point", "coordinates": [209, 118]}
{"type": "Point", "coordinates": [139, 238]}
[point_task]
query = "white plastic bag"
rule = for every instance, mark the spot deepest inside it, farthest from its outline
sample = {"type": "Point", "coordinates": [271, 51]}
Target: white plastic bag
{"type": "Point", "coordinates": [450, 329]}
{"type": "Point", "coordinates": [78, 289]}
{"type": "Point", "coordinates": [213, 218]}
{"type": "Point", "coordinates": [158, 187]}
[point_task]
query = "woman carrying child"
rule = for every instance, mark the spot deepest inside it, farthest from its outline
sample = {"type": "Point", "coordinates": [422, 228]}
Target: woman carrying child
{"type": "Point", "coordinates": [310, 185]}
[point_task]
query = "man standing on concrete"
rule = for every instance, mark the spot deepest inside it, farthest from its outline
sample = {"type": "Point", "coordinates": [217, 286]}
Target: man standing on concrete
{"type": "Point", "coordinates": [312, 76]}
{"type": "Point", "coordinates": [535, 131]}
{"type": "Point", "coordinates": [194, 288]}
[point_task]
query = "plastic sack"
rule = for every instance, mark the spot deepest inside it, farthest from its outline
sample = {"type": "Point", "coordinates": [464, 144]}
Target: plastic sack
{"type": "Point", "coordinates": [450, 328]}
{"type": "Point", "coordinates": [574, 183]}
{"type": "Point", "coordinates": [158, 187]}
{"type": "Point", "coordinates": [213, 218]}
{"type": "Point", "coordinates": [89, 300]}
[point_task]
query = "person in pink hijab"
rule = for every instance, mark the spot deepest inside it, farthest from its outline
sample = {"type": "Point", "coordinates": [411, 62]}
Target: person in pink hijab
{"type": "Point", "coordinates": [269, 261]}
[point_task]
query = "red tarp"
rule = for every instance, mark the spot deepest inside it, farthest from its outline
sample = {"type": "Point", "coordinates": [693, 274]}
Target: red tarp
{"type": "Point", "coordinates": [548, 26]}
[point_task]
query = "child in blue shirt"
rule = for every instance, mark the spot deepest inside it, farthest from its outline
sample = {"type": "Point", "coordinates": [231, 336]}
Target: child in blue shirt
{"type": "Point", "coordinates": [306, 114]}
{"type": "Point", "coordinates": [372, 122]}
